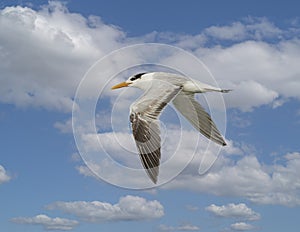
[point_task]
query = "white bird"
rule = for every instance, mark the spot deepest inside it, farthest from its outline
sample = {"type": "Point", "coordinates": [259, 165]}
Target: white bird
{"type": "Point", "coordinates": [161, 88]}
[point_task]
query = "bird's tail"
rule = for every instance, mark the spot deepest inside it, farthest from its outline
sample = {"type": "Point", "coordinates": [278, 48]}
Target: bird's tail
{"type": "Point", "coordinates": [225, 90]}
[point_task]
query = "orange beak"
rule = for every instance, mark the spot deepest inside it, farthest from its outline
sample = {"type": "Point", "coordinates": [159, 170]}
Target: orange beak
{"type": "Point", "coordinates": [123, 84]}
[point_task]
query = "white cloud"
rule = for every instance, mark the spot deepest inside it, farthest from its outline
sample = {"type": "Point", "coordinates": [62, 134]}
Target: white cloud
{"type": "Point", "coordinates": [64, 127]}
{"type": "Point", "coordinates": [184, 227]}
{"type": "Point", "coordinates": [57, 47]}
{"type": "Point", "coordinates": [248, 178]}
{"type": "Point", "coordinates": [257, 71]}
{"type": "Point", "coordinates": [279, 102]}
{"type": "Point", "coordinates": [62, 45]}
{"type": "Point", "coordinates": [4, 177]}
{"type": "Point", "coordinates": [47, 222]}
{"type": "Point", "coordinates": [119, 148]}
{"type": "Point", "coordinates": [249, 28]}
{"type": "Point", "coordinates": [236, 31]}
{"type": "Point", "coordinates": [254, 94]}
{"type": "Point", "coordinates": [75, 157]}
{"type": "Point", "coordinates": [241, 226]}
{"type": "Point", "coordinates": [240, 211]}
{"type": "Point", "coordinates": [128, 208]}
{"type": "Point", "coordinates": [84, 170]}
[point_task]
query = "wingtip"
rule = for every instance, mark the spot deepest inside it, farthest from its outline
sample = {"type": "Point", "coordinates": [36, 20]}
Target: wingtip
{"type": "Point", "coordinates": [153, 178]}
{"type": "Point", "coordinates": [226, 90]}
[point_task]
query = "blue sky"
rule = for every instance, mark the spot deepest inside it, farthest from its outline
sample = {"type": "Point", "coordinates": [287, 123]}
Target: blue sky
{"type": "Point", "coordinates": [46, 49]}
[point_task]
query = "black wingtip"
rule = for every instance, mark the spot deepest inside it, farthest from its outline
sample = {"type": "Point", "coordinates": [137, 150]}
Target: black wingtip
{"type": "Point", "coordinates": [153, 176]}
{"type": "Point", "coordinates": [154, 181]}
{"type": "Point", "coordinates": [224, 144]}
{"type": "Point", "coordinates": [226, 90]}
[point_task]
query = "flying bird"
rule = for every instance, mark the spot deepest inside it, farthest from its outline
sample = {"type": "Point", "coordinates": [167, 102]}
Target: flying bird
{"type": "Point", "coordinates": [160, 88]}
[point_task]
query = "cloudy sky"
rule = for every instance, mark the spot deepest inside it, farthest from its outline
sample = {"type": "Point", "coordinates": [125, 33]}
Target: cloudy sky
{"type": "Point", "coordinates": [56, 57]}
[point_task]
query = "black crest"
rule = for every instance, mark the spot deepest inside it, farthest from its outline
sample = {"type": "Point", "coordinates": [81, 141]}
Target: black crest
{"type": "Point", "coordinates": [137, 76]}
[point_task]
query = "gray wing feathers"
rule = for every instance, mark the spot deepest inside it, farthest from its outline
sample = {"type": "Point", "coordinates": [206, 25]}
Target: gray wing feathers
{"type": "Point", "coordinates": [197, 116]}
{"type": "Point", "coordinates": [147, 138]}
{"type": "Point", "coordinates": [145, 126]}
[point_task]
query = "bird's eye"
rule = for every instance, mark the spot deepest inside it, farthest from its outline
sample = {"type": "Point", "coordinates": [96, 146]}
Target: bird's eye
{"type": "Point", "coordinates": [137, 76]}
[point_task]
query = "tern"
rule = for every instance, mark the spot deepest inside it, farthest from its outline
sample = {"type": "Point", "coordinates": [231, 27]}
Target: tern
{"type": "Point", "coordinates": [160, 88]}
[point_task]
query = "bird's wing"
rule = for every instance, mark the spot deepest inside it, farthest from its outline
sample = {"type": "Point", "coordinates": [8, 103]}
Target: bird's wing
{"type": "Point", "coordinates": [145, 125]}
{"type": "Point", "coordinates": [197, 116]}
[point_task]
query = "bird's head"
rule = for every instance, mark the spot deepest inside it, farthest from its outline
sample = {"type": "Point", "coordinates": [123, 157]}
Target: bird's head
{"type": "Point", "coordinates": [133, 81]}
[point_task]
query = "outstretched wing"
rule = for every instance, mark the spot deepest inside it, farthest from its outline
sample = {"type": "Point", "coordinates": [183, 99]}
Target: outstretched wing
{"type": "Point", "coordinates": [198, 117]}
{"type": "Point", "coordinates": [145, 125]}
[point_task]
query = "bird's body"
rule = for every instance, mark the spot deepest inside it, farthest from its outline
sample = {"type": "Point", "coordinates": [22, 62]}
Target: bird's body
{"type": "Point", "coordinates": [161, 88]}
{"type": "Point", "coordinates": [188, 85]}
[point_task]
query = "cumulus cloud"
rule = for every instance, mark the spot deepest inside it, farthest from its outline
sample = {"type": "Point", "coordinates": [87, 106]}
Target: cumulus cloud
{"type": "Point", "coordinates": [128, 208]}
{"type": "Point", "coordinates": [261, 71]}
{"type": "Point", "coordinates": [259, 51]}
{"type": "Point", "coordinates": [64, 127]}
{"type": "Point", "coordinates": [47, 222]}
{"type": "Point", "coordinates": [237, 212]}
{"type": "Point", "coordinates": [117, 157]}
{"type": "Point", "coordinates": [57, 47]}
{"type": "Point", "coordinates": [238, 167]}
{"type": "Point", "coordinates": [235, 31]}
{"type": "Point", "coordinates": [240, 211]}
{"type": "Point", "coordinates": [262, 95]}
{"type": "Point", "coordinates": [4, 177]}
{"type": "Point", "coordinates": [249, 28]}
{"type": "Point", "coordinates": [85, 171]}
{"type": "Point", "coordinates": [248, 178]}
{"type": "Point", "coordinates": [241, 226]}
